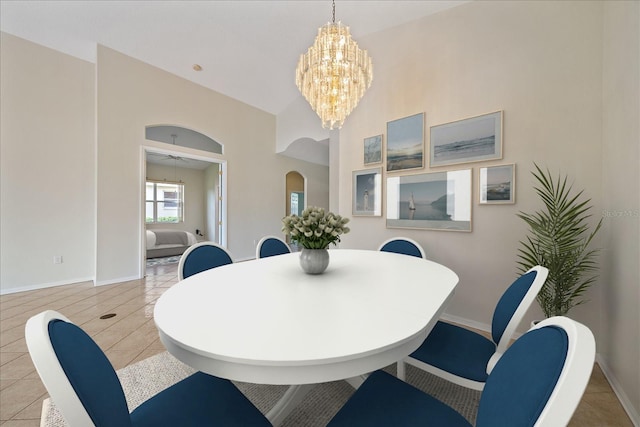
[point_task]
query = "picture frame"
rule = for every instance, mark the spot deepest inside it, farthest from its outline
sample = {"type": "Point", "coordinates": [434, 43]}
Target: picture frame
{"type": "Point", "coordinates": [405, 143]}
{"type": "Point", "coordinates": [469, 140]}
{"type": "Point", "coordinates": [497, 184]}
{"type": "Point", "coordinates": [430, 201]}
{"type": "Point", "coordinates": [372, 150]}
{"type": "Point", "coordinates": [367, 192]}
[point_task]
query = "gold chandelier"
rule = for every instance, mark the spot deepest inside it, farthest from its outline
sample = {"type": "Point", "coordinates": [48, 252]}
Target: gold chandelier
{"type": "Point", "coordinates": [334, 73]}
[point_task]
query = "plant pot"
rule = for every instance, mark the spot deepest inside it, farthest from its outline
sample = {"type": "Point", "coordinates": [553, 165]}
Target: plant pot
{"type": "Point", "coordinates": [314, 261]}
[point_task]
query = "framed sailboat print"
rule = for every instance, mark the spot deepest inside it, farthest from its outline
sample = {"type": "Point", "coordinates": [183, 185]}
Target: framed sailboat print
{"type": "Point", "coordinates": [430, 201]}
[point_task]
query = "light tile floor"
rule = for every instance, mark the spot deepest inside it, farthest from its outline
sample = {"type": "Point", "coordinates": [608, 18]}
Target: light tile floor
{"type": "Point", "coordinates": [131, 336]}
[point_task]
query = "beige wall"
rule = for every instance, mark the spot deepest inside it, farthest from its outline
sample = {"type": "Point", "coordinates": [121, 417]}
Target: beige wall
{"type": "Point", "coordinates": [542, 64]}
{"type": "Point", "coordinates": [619, 345]}
{"type": "Point", "coordinates": [131, 95]}
{"type": "Point", "coordinates": [81, 127]}
{"type": "Point", "coordinates": [533, 60]}
{"type": "Point", "coordinates": [47, 142]}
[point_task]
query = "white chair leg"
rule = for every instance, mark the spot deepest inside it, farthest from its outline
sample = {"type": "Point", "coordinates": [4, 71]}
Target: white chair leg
{"type": "Point", "coordinates": [401, 372]}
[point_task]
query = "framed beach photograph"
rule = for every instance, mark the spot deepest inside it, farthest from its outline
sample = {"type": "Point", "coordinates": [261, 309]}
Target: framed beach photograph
{"type": "Point", "coordinates": [373, 150]}
{"type": "Point", "coordinates": [430, 201]}
{"type": "Point", "coordinates": [405, 143]}
{"type": "Point", "coordinates": [469, 140]}
{"type": "Point", "coordinates": [498, 184]}
{"type": "Point", "coordinates": [367, 192]}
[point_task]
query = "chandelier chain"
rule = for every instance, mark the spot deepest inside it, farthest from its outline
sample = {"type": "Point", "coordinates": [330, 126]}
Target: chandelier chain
{"type": "Point", "coordinates": [334, 11]}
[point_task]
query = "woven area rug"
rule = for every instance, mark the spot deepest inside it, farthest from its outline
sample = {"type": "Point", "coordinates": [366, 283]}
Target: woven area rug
{"type": "Point", "coordinates": [144, 379]}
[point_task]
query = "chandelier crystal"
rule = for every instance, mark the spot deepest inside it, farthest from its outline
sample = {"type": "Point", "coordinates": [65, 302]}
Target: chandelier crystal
{"type": "Point", "coordinates": [334, 73]}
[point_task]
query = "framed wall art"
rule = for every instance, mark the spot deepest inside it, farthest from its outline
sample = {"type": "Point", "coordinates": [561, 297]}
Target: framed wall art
{"type": "Point", "coordinates": [373, 150]}
{"type": "Point", "coordinates": [367, 192]}
{"type": "Point", "coordinates": [497, 184]}
{"type": "Point", "coordinates": [405, 143]}
{"type": "Point", "coordinates": [432, 201]}
{"type": "Point", "coordinates": [469, 140]}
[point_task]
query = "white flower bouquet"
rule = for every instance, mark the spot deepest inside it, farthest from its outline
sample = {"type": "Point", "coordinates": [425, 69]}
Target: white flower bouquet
{"type": "Point", "coordinates": [315, 229]}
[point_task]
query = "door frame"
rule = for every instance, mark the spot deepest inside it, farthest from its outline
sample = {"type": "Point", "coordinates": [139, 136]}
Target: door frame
{"type": "Point", "coordinates": [150, 146]}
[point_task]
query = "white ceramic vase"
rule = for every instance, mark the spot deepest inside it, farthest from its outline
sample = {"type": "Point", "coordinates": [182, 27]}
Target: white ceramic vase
{"type": "Point", "coordinates": [314, 261]}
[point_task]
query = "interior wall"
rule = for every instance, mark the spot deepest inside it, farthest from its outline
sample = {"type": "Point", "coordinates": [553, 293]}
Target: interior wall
{"type": "Point", "coordinates": [298, 121]}
{"type": "Point", "coordinates": [47, 205]}
{"type": "Point", "coordinates": [566, 76]}
{"type": "Point", "coordinates": [619, 348]}
{"type": "Point", "coordinates": [55, 108]}
{"type": "Point", "coordinates": [538, 62]}
{"type": "Point", "coordinates": [132, 94]}
{"type": "Point", "coordinates": [194, 191]}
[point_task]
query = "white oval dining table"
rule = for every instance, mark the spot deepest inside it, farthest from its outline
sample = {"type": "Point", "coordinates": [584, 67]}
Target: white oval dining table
{"type": "Point", "coordinates": [265, 321]}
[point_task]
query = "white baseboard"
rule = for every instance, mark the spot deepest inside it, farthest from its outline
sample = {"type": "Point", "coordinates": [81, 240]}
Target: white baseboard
{"type": "Point", "coordinates": [622, 396]}
{"type": "Point", "coordinates": [466, 322]}
{"type": "Point", "coordinates": [65, 283]}
{"type": "Point", "coordinates": [118, 280]}
{"type": "Point", "coordinates": [45, 285]}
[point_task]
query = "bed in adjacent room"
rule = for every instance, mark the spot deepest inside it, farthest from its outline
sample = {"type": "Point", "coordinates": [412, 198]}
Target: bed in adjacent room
{"type": "Point", "coordinates": [163, 243]}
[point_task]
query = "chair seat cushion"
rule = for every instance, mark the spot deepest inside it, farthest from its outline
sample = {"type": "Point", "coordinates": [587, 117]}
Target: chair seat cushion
{"type": "Point", "coordinates": [457, 350]}
{"type": "Point", "coordinates": [199, 400]}
{"type": "Point", "coordinates": [383, 400]}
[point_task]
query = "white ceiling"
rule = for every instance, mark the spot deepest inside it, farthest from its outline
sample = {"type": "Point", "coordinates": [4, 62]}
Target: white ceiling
{"type": "Point", "coordinates": [248, 49]}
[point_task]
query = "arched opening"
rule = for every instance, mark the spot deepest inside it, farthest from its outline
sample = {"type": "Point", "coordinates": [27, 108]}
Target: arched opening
{"type": "Point", "coordinates": [183, 137]}
{"type": "Point", "coordinates": [295, 191]}
{"type": "Point", "coordinates": [183, 181]}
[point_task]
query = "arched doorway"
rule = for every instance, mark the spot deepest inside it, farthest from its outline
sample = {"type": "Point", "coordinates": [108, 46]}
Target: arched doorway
{"type": "Point", "coordinates": [193, 163]}
{"type": "Point", "coordinates": [295, 192]}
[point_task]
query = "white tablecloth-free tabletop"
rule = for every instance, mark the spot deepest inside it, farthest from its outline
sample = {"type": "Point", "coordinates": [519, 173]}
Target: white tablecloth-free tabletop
{"type": "Point", "coordinates": [265, 321]}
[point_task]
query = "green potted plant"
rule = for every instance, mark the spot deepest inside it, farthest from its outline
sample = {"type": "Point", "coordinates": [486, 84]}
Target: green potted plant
{"type": "Point", "coordinates": [559, 238]}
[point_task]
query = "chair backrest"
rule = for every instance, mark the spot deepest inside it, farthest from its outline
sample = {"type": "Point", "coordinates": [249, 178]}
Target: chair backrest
{"type": "Point", "coordinates": [76, 373]}
{"type": "Point", "coordinates": [270, 246]}
{"type": "Point", "coordinates": [512, 307]}
{"type": "Point", "coordinates": [403, 245]}
{"type": "Point", "coordinates": [541, 378]}
{"type": "Point", "coordinates": [202, 256]}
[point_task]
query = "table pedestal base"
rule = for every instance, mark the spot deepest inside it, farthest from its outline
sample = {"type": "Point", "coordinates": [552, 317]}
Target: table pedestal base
{"type": "Point", "coordinates": [294, 395]}
{"type": "Point", "coordinates": [291, 398]}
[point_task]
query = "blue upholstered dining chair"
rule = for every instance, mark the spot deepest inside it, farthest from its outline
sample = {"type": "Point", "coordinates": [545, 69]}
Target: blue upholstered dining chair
{"type": "Point", "coordinates": [538, 382]}
{"type": "Point", "coordinates": [85, 388]}
{"type": "Point", "coordinates": [465, 357]}
{"type": "Point", "coordinates": [403, 245]}
{"type": "Point", "coordinates": [202, 256]}
{"type": "Point", "coordinates": [270, 246]}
